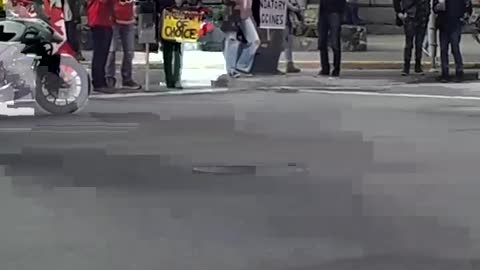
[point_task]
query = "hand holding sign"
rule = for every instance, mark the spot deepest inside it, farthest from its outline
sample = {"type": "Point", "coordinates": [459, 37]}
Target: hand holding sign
{"type": "Point", "coordinates": [181, 25]}
{"type": "Point", "coordinates": [273, 14]}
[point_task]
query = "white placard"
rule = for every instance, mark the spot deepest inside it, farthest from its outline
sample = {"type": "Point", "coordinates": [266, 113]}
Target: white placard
{"type": "Point", "coordinates": [273, 14]}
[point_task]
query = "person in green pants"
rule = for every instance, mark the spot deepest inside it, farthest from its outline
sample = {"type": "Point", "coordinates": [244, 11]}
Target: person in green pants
{"type": "Point", "coordinates": [172, 52]}
{"type": "Point", "coordinates": [172, 63]}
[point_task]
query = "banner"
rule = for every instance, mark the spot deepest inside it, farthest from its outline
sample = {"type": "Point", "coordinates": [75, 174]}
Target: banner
{"type": "Point", "coordinates": [273, 14]}
{"type": "Point", "coordinates": [181, 25]}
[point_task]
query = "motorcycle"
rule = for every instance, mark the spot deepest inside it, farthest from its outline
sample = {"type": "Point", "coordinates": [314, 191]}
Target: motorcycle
{"type": "Point", "coordinates": [25, 40]}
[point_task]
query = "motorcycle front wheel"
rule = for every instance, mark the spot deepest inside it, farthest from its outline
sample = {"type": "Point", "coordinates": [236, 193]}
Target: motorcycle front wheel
{"type": "Point", "coordinates": [68, 98]}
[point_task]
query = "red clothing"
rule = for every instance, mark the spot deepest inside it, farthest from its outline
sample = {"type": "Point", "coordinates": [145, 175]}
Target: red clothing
{"type": "Point", "coordinates": [100, 13]}
{"type": "Point", "coordinates": [124, 12]}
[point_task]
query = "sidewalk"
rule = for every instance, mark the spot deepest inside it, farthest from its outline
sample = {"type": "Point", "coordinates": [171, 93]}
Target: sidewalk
{"type": "Point", "coordinates": [384, 52]}
{"type": "Point", "coordinates": [382, 82]}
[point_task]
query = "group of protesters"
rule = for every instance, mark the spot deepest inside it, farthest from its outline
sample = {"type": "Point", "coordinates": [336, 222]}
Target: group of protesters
{"type": "Point", "coordinates": [452, 15]}
{"type": "Point", "coordinates": [413, 15]}
{"type": "Point", "coordinates": [112, 22]}
{"type": "Point", "coordinates": [109, 22]}
{"type": "Point", "coordinates": [240, 26]}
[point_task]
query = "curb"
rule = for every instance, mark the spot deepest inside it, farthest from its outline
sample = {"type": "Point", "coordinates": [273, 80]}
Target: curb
{"type": "Point", "coordinates": [165, 93]}
{"type": "Point", "coordinates": [347, 65]}
{"type": "Point", "coordinates": [373, 65]}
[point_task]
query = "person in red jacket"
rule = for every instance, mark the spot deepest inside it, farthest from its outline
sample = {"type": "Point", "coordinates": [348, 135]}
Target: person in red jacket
{"type": "Point", "coordinates": [123, 29]}
{"type": "Point", "coordinates": [100, 20]}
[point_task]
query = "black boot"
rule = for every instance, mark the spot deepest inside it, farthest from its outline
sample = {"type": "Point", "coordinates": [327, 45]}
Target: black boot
{"type": "Point", "coordinates": [406, 68]}
{"type": "Point", "coordinates": [418, 67]}
{"type": "Point", "coordinates": [459, 76]}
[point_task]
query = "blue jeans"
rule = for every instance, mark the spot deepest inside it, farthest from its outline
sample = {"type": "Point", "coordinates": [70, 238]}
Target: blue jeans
{"type": "Point", "coordinates": [288, 45]}
{"type": "Point", "coordinates": [351, 13]}
{"type": "Point", "coordinates": [126, 34]}
{"type": "Point", "coordinates": [230, 51]}
{"type": "Point", "coordinates": [451, 37]}
{"type": "Point", "coordinates": [329, 29]}
{"type": "Point", "coordinates": [248, 50]}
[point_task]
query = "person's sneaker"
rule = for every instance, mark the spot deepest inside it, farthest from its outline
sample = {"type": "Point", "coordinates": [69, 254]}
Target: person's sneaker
{"type": "Point", "coordinates": [405, 73]}
{"type": "Point", "coordinates": [234, 74]}
{"type": "Point", "coordinates": [419, 70]}
{"type": "Point", "coordinates": [111, 82]}
{"type": "Point", "coordinates": [292, 69]}
{"type": "Point", "coordinates": [459, 77]}
{"type": "Point", "coordinates": [244, 74]}
{"type": "Point", "coordinates": [323, 73]}
{"type": "Point", "coordinates": [443, 79]}
{"type": "Point", "coordinates": [105, 90]}
{"type": "Point", "coordinates": [336, 74]}
{"type": "Point", "coordinates": [131, 85]}
{"type": "Point", "coordinates": [178, 86]}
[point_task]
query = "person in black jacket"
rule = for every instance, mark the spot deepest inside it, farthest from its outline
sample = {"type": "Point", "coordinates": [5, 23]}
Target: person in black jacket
{"type": "Point", "coordinates": [330, 15]}
{"type": "Point", "coordinates": [414, 15]}
{"type": "Point", "coordinates": [452, 16]}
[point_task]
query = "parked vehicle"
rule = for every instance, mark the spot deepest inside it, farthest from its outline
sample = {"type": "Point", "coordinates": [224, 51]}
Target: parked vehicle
{"type": "Point", "coordinates": [24, 42]}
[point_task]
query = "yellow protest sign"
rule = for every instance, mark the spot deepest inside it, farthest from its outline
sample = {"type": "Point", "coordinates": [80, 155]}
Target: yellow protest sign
{"type": "Point", "coordinates": [181, 25]}
{"type": "Point", "coordinates": [3, 4]}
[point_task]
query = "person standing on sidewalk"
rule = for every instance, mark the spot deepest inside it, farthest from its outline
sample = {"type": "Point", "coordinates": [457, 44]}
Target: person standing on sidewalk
{"type": "Point", "coordinates": [294, 16]}
{"type": "Point", "coordinates": [123, 29]}
{"type": "Point", "coordinates": [330, 16]}
{"type": "Point", "coordinates": [72, 21]}
{"type": "Point", "coordinates": [99, 13]}
{"type": "Point", "coordinates": [413, 15]}
{"type": "Point", "coordinates": [351, 13]}
{"type": "Point", "coordinates": [230, 26]}
{"type": "Point", "coordinates": [249, 32]}
{"type": "Point", "coordinates": [451, 17]}
{"type": "Point", "coordinates": [239, 20]}
{"type": "Point", "coordinates": [172, 51]}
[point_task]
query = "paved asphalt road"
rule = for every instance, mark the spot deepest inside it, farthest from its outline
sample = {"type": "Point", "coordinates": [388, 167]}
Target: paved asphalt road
{"type": "Point", "coordinates": [342, 182]}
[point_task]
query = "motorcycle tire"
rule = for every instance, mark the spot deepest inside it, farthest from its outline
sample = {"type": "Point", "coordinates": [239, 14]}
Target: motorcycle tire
{"type": "Point", "coordinates": [68, 64]}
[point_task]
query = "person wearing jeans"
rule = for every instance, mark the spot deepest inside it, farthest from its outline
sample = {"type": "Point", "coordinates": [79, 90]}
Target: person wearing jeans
{"type": "Point", "coordinates": [123, 29]}
{"type": "Point", "coordinates": [294, 16]}
{"type": "Point", "coordinates": [329, 29]}
{"type": "Point", "coordinates": [413, 15]}
{"type": "Point", "coordinates": [99, 13]}
{"type": "Point", "coordinates": [452, 15]}
{"type": "Point", "coordinates": [249, 49]}
{"type": "Point", "coordinates": [231, 45]}
{"type": "Point", "coordinates": [351, 13]}
{"type": "Point", "coordinates": [230, 52]}
{"type": "Point", "coordinates": [72, 21]}
{"type": "Point", "coordinates": [239, 59]}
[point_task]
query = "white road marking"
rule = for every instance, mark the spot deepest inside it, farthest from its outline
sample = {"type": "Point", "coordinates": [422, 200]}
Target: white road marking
{"type": "Point", "coordinates": [5, 110]}
{"type": "Point", "coordinates": [2, 130]}
{"type": "Point", "coordinates": [390, 94]}
{"type": "Point", "coordinates": [164, 93]}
